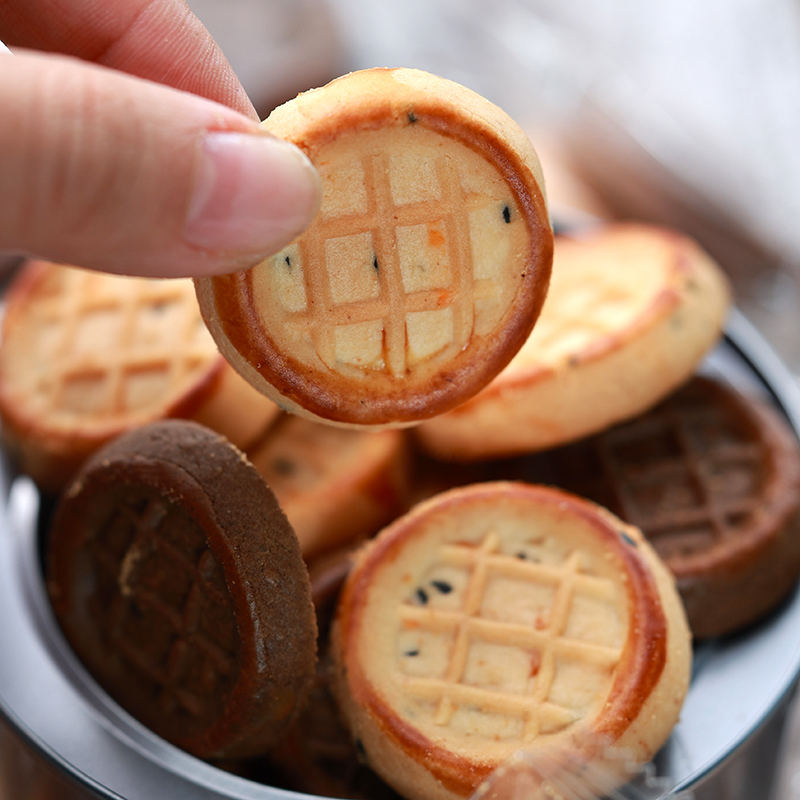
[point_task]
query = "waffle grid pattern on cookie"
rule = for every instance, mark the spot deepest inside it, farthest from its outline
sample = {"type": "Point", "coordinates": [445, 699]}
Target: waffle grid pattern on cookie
{"type": "Point", "coordinates": [115, 346]}
{"type": "Point", "coordinates": [392, 304]}
{"type": "Point", "coordinates": [579, 314]}
{"type": "Point", "coordinates": [165, 609]}
{"type": "Point", "coordinates": [688, 473]}
{"type": "Point", "coordinates": [536, 709]}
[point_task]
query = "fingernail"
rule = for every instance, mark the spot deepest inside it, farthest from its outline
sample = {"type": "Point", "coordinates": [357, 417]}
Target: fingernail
{"type": "Point", "coordinates": [253, 193]}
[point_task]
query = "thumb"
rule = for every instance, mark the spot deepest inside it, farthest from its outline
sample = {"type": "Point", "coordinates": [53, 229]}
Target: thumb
{"type": "Point", "coordinates": [106, 171]}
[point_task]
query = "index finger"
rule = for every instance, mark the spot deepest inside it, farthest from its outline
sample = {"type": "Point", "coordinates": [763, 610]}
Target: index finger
{"type": "Point", "coordinates": [161, 40]}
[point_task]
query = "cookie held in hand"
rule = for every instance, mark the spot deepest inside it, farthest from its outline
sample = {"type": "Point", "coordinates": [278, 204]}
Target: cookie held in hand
{"type": "Point", "coordinates": [423, 271]}
{"type": "Point", "coordinates": [179, 583]}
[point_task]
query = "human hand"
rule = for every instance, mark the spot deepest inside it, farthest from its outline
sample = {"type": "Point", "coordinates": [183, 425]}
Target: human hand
{"type": "Point", "coordinates": [162, 171]}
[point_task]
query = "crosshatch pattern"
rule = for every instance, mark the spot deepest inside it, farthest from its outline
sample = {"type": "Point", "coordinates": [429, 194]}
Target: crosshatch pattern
{"type": "Point", "coordinates": [586, 304]}
{"type": "Point", "coordinates": [320, 311]}
{"type": "Point", "coordinates": [162, 604]}
{"type": "Point", "coordinates": [689, 473]}
{"type": "Point", "coordinates": [108, 346]}
{"type": "Point", "coordinates": [461, 628]}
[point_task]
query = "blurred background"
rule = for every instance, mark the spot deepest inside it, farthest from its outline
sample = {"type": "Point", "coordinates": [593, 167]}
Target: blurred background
{"type": "Point", "coordinates": [673, 111]}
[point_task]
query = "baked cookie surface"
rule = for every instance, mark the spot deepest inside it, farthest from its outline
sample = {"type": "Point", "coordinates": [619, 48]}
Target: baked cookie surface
{"type": "Point", "coordinates": [86, 356]}
{"type": "Point", "coordinates": [631, 311]}
{"type": "Point", "coordinates": [336, 486]}
{"type": "Point", "coordinates": [712, 478]}
{"type": "Point", "coordinates": [502, 616]}
{"type": "Point", "coordinates": [421, 275]}
{"type": "Point", "coordinates": [179, 584]}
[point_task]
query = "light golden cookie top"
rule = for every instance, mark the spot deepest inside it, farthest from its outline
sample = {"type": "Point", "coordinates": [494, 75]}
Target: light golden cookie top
{"type": "Point", "coordinates": [422, 273]}
{"type": "Point", "coordinates": [92, 352]}
{"type": "Point", "coordinates": [501, 616]}
{"type": "Point", "coordinates": [610, 286]}
{"type": "Point", "coordinates": [631, 311]}
{"type": "Point", "coordinates": [86, 356]}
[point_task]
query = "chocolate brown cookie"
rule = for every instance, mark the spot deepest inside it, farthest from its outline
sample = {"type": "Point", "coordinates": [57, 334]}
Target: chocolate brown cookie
{"type": "Point", "coordinates": [712, 477]}
{"type": "Point", "coordinates": [319, 757]}
{"type": "Point", "coordinates": [179, 583]}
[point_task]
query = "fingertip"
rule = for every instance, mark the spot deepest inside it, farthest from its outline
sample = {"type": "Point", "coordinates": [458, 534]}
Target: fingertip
{"type": "Point", "coordinates": [252, 195]}
{"type": "Point", "coordinates": [130, 177]}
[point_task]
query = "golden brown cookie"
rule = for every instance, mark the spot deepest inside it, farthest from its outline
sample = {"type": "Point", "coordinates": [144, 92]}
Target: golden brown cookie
{"type": "Point", "coordinates": [502, 616]}
{"type": "Point", "coordinates": [712, 478]}
{"type": "Point", "coordinates": [421, 275]}
{"type": "Point", "coordinates": [336, 486]}
{"type": "Point", "coordinates": [632, 309]}
{"type": "Point", "coordinates": [179, 583]}
{"type": "Point", "coordinates": [85, 356]}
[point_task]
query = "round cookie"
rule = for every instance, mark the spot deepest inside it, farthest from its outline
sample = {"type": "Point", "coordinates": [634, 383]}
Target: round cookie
{"type": "Point", "coordinates": [179, 584]}
{"type": "Point", "coordinates": [503, 616]}
{"type": "Point", "coordinates": [711, 476]}
{"type": "Point", "coordinates": [336, 486]}
{"type": "Point", "coordinates": [423, 271]}
{"type": "Point", "coordinates": [86, 356]}
{"type": "Point", "coordinates": [632, 310]}
{"type": "Point", "coordinates": [318, 757]}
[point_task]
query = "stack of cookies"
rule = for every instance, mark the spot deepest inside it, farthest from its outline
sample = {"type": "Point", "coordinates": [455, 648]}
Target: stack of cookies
{"type": "Point", "coordinates": [501, 505]}
{"type": "Point", "coordinates": [604, 399]}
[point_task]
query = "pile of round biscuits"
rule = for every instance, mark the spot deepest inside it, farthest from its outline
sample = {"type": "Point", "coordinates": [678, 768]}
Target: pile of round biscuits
{"type": "Point", "coordinates": [503, 504]}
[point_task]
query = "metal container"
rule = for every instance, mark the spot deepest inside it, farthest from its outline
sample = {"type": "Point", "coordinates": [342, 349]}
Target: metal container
{"type": "Point", "coordinates": [62, 738]}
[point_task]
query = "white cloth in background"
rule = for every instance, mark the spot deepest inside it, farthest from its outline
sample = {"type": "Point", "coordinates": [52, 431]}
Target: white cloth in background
{"type": "Point", "coordinates": [276, 47]}
{"type": "Point", "coordinates": [702, 100]}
